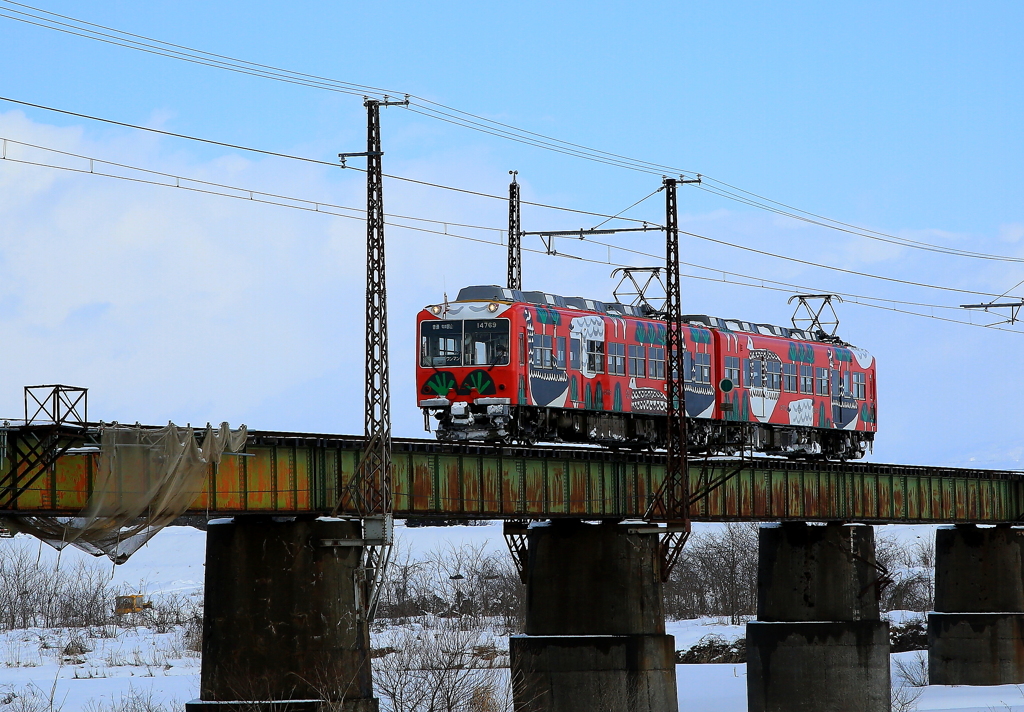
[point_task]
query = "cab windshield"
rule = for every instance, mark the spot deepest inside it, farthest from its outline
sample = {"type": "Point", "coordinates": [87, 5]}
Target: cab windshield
{"type": "Point", "coordinates": [472, 342]}
{"type": "Point", "coordinates": [441, 343]}
{"type": "Point", "coordinates": [485, 342]}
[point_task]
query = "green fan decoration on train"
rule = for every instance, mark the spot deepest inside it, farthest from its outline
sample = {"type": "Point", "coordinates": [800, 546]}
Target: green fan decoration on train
{"type": "Point", "coordinates": [480, 381]}
{"type": "Point", "coordinates": [440, 383]}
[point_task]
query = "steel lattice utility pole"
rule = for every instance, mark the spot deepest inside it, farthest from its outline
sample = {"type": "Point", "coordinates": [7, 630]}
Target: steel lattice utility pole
{"type": "Point", "coordinates": [515, 253]}
{"type": "Point", "coordinates": [371, 492]}
{"type": "Point", "coordinates": [676, 493]}
{"type": "Point", "coordinates": [672, 503]}
{"type": "Point", "coordinates": [376, 461]}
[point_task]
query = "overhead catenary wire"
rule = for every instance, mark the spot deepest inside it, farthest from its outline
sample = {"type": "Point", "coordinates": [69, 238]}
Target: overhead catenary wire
{"type": "Point", "coordinates": [102, 33]}
{"type": "Point", "coordinates": [244, 192]}
{"type": "Point", "coordinates": [304, 204]}
{"type": "Point", "coordinates": [838, 269]}
{"type": "Point", "coordinates": [306, 159]}
{"type": "Point", "coordinates": [121, 38]}
{"type": "Point", "coordinates": [788, 285]}
{"type": "Point", "coordinates": [209, 59]}
{"type": "Point", "coordinates": [838, 222]}
{"type": "Point", "coordinates": [616, 216]}
{"type": "Point", "coordinates": [869, 234]}
{"type": "Point", "coordinates": [581, 234]}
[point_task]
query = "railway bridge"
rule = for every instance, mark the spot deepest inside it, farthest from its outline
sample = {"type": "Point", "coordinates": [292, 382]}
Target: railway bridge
{"type": "Point", "coordinates": [284, 515]}
{"type": "Point", "coordinates": [300, 531]}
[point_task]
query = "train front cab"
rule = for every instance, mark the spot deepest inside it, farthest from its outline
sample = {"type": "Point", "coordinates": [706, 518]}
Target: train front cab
{"type": "Point", "coordinates": [467, 368]}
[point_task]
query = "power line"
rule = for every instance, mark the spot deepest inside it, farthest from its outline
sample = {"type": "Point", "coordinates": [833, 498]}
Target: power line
{"type": "Point", "coordinates": [251, 193]}
{"type": "Point", "coordinates": [442, 112]}
{"type": "Point", "coordinates": [789, 286]}
{"type": "Point", "coordinates": [209, 59]}
{"type": "Point", "coordinates": [264, 196]}
{"type": "Point", "coordinates": [322, 206]}
{"type": "Point", "coordinates": [158, 47]}
{"type": "Point", "coordinates": [838, 222]}
{"type": "Point", "coordinates": [617, 215]}
{"type": "Point", "coordinates": [209, 188]}
{"type": "Point", "coordinates": [861, 232]}
{"type": "Point", "coordinates": [305, 159]}
{"type": "Point", "coordinates": [836, 269]}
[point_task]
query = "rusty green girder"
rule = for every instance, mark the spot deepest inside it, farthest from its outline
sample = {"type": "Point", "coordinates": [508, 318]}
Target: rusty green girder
{"type": "Point", "coordinates": [291, 473]}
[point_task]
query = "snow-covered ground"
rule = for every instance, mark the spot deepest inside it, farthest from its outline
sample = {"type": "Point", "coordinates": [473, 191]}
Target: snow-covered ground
{"type": "Point", "coordinates": [103, 668]}
{"type": "Point", "coordinates": [75, 670]}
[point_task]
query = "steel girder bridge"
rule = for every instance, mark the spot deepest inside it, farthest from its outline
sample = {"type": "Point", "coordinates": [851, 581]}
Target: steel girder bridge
{"type": "Point", "coordinates": [48, 470]}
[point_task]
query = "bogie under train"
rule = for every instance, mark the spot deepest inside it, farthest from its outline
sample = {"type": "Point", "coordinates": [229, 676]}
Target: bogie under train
{"type": "Point", "coordinates": [504, 366]}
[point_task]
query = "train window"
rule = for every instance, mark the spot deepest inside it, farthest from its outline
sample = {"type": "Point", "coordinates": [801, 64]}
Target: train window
{"type": "Point", "coordinates": [441, 343]}
{"type": "Point", "coordinates": [859, 391]}
{"type": "Point", "coordinates": [697, 367]}
{"type": "Point", "coordinates": [755, 371]}
{"type": "Point", "coordinates": [789, 377]}
{"type": "Point", "coordinates": [616, 359]}
{"type": "Point", "coordinates": [732, 369]}
{"type": "Point", "coordinates": [773, 375]}
{"type": "Point", "coordinates": [846, 384]}
{"type": "Point", "coordinates": [595, 356]}
{"type": "Point", "coordinates": [746, 373]}
{"type": "Point", "coordinates": [807, 379]}
{"type": "Point", "coordinates": [656, 359]}
{"type": "Point", "coordinates": [821, 379]}
{"type": "Point", "coordinates": [574, 354]}
{"type": "Point", "coordinates": [560, 352]}
{"type": "Point", "coordinates": [542, 356]}
{"type": "Point", "coordinates": [485, 342]}
{"type": "Point", "coordinates": [637, 362]}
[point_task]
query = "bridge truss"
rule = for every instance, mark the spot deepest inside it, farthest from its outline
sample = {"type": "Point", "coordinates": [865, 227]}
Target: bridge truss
{"type": "Point", "coordinates": [295, 473]}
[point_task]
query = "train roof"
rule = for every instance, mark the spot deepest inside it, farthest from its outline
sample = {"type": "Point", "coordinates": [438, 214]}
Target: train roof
{"type": "Point", "coordinates": [494, 293]}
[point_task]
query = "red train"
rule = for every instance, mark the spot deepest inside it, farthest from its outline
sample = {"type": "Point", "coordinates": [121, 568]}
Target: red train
{"type": "Point", "coordinates": [505, 366]}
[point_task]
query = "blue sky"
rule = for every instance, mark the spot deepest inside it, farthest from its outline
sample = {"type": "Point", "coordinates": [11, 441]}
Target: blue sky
{"type": "Point", "coordinates": [902, 118]}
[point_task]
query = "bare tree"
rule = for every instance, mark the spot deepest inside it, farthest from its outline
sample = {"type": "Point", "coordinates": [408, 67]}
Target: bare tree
{"type": "Point", "coordinates": [912, 568]}
{"type": "Point", "coordinates": [433, 670]}
{"type": "Point", "coordinates": [716, 575]}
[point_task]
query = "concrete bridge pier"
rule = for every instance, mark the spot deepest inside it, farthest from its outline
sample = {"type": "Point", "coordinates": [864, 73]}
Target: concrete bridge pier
{"type": "Point", "coordinates": [282, 628]}
{"type": "Point", "coordinates": [976, 635]}
{"type": "Point", "coordinates": [818, 642]}
{"type": "Point", "coordinates": [595, 625]}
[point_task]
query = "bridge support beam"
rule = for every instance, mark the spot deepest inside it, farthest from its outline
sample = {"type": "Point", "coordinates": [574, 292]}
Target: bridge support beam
{"type": "Point", "coordinates": [595, 626]}
{"type": "Point", "coordinates": [818, 642]}
{"type": "Point", "coordinates": [283, 629]}
{"type": "Point", "coordinates": [976, 635]}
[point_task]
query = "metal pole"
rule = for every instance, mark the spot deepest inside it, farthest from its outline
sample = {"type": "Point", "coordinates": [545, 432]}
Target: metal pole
{"type": "Point", "coordinates": [515, 254]}
{"type": "Point", "coordinates": [672, 502]}
{"type": "Point", "coordinates": [677, 489]}
{"type": "Point", "coordinates": [376, 489]}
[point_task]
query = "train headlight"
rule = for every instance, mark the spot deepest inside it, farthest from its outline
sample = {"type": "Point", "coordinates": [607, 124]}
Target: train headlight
{"type": "Point", "coordinates": [435, 310]}
{"type": "Point", "coordinates": [492, 307]}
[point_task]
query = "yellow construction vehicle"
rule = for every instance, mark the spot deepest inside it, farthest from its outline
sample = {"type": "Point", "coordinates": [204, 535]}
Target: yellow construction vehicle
{"type": "Point", "coordinates": [132, 603]}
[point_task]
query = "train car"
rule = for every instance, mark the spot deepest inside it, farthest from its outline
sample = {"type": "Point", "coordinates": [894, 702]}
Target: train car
{"type": "Point", "coordinates": [506, 366]}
